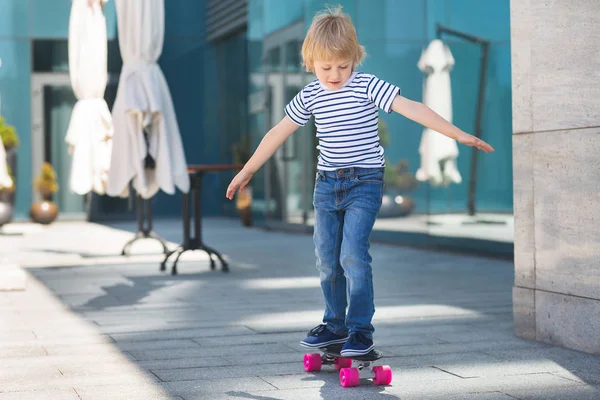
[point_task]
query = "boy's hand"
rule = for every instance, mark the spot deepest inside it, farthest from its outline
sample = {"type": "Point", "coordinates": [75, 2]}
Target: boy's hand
{"type": "Point", "coordinates": [470, 140]}
{"type": "Point", "coordinates": [240, 181]}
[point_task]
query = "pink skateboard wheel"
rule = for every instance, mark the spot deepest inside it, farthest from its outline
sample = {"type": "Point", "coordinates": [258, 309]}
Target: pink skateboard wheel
{"type": "Point", "coordinates": [349, 377]}
{"type": "Point", "coordinates": [342, 363]}
{"type": "Point", "coordinates": [383, 375]}
{"type": "Point", "coordinates": [312, 362]}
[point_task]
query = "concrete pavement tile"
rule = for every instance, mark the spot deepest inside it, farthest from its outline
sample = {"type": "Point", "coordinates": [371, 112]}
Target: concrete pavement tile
{"type": "Point", "coordinates": [181, 334]}
{"type": "Point", "coordinates": [59, 394]}
{"type": "Point", "coordinates": [265, 358]}
{"type": "Point", "coordinates": [158, 344]}
{"type": "Point", "coordinates": [430, 360]}
{"type": "Point", "coordinates": [109, 367]}
{"type": "Point", "coordinates": [26, 372]}
{"type": "Point", "coordinates": [209, 351]}
{"type": "Point", "coordinates": [69, 330]}
{"type": "Point", "coordinates": [231, 371]}
{"type": "Point", "coordinates": [466, 347]}
{"type": "Point", "coordinates": [89, 301]}
{"type": "Point", "coordinates": [254, 338]}
{"type": "Point", "coordinates": [21, 351]}
{"type": "Point", "coordinates": [132, 377]}
{"type": "Point", "coordinates": [405, 340]}
{"type": "Point", "coordinates": [187, 362]}
{"type": "Point", "coordinates": [474, 335]}
{"type": "Point", "coordinates": [129, 346]}
{"type": "Point", "coordinates": [443, 388]}
{"type": "Point", "coordinates": [158, 325]}
{"type": "Point", "coordinates": [568, 393]}
{"type": "Point", "coordinates": [121, 392]}
{"type": "Point", "coordinates": [465, 396]}
{"type": "Point", "coordinates": [16, 336]}
{"type": "Point", "coordinates": [68, 287]}
{"type": "Point", "coordinates": [82, 349]}
{"type": "Point", "coordinates": [475, 369]}
{"type": "Point", "coordinates": [209, 389]}
{"type": "Point", "coordinates": [568, 359]}
{"type": "Point", "coordinates": [66, 359]}
{"type": "Point", "coordinates": [492, 395]}
{"type": "Point", "coordinates": [12, 277]}
{"type": "Point", "coordinates": [62, 342]}
{"type": "Point", "coordinates": [587, 376]}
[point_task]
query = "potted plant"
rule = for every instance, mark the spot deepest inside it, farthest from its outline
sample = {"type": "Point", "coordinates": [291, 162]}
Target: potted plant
{"type": "Point", "coordinates": [10, 140]}
{"type": "Point", "coordinates": [398, 182]}
{"type": "Point", "coordinates": [243, 199]}
{"type": "Point", "coordinates": [7, 196]}
{"type": "Point", "coordinates": [9, 136]}
{"type": "Point", "coordinates": [45, 211]}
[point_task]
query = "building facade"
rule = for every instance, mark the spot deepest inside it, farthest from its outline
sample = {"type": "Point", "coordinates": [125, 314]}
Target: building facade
{"type": "Point", "coordinates": [230, 78]}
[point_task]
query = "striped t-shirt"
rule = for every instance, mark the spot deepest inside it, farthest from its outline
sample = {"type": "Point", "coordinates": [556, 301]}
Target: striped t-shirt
{"type": "Point", "coordinates": [346, 119]}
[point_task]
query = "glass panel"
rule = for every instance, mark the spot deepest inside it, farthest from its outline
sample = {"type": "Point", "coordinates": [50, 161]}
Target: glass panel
{"type": "Point", "coordinates": [293, 56]}
{"type": "Point", "coordinates": [273, 61]}
{"type": "Point", "coordinates": [50, 56]}
{"type": "Point", "coordinates": [58, 105]}
{"type": "Point", "coordinates": [53, 56]}
{"type": "Point", "coordinates": [294, 172]}
{"type": "Point", "coordinates": [290, 184]}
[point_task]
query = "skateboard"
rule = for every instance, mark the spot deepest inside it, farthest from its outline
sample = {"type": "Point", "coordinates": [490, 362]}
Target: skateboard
{"type": "Point", "coordinates": [351, 368]}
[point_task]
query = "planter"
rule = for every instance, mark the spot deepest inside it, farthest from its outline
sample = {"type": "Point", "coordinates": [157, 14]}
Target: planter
{"type": "Point", "coordinates": [7, 197]}
{"type": "Point", "coordinates": [243, 203]}
{"type": "Point", "coordinates": [43, 212]}
{"type": "Point", "coordinates": [395, 205]}
{"type": "Point", "coordinates": [7, 211]}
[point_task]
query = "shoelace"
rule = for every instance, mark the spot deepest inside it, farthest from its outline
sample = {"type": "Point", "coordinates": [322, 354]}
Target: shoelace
{"type": "Point", "coordinates": [317, 330]}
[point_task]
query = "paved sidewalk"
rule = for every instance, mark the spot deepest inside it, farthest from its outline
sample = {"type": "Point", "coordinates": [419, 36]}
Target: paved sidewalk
{"type": "Point", "coordinates": [94, 325]}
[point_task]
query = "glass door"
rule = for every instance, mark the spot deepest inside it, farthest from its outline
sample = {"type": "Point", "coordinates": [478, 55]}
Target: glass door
{"type": "Point", "coordinates": [52, 104]}
{"type": "Point", "coordinates": [289, 175]}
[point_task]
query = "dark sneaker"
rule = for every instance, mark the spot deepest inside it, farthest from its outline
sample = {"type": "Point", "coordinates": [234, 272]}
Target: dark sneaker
{"type": "Point", "coordinates": [320, 336]}
{"type": "Point", "coordinates": [357, 345]}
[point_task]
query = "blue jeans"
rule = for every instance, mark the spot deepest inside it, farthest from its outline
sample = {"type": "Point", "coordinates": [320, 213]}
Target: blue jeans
{"type": "Point", "coordinates": [346, 204]}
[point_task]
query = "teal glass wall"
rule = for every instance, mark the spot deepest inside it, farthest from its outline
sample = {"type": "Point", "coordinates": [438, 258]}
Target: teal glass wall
{"type": "Point", "coordinates": [182, 63]}
{"type": "Point", "coordinates": [25, 22]}
{"type": "Point", "coordinates": [15, 89]}
{"type": "Point", "coordinates": [394, 33]}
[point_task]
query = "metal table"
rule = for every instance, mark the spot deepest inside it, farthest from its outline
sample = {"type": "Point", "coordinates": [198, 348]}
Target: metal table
{"type": "Point", "coordinates": [195, 243]}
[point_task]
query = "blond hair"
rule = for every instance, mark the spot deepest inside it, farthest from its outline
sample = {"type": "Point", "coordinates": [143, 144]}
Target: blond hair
{"type": "Point", "coordinates": [331, 36]}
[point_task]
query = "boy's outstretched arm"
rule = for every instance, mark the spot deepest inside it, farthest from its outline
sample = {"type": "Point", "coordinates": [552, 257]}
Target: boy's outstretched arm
{"type": "Point", "coordinates": [267, 147]}
{"type": "Point", "coordinates": [425, 116]}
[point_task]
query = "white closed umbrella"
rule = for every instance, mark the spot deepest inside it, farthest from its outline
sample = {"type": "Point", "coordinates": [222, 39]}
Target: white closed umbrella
{"type": "Point", "coordinates": [144, 104]}
{"type": "Point", "coordinates": [438, 152]}
{"type": "Point", "coordinates": [90, 128]}
{"type": "Point", "coordinates": [5, 179]}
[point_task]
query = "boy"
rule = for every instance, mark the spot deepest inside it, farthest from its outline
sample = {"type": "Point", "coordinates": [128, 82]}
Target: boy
{"type": "Point", "coordinates": [349, 182]}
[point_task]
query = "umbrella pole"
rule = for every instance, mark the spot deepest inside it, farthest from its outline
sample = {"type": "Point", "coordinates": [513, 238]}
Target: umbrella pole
{"type": "Point", "coordinates": [440, 29]}
{"type": "Point", "coordinates": [144, 214]}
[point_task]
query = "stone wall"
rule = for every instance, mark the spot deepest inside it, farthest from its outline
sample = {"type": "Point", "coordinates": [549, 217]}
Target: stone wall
{"type": "Point", "coordinates": [555, 50]}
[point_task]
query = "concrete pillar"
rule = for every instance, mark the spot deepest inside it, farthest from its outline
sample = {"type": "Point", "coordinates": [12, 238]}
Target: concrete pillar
{"type": "Point", "coordinates": [555, 46]}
